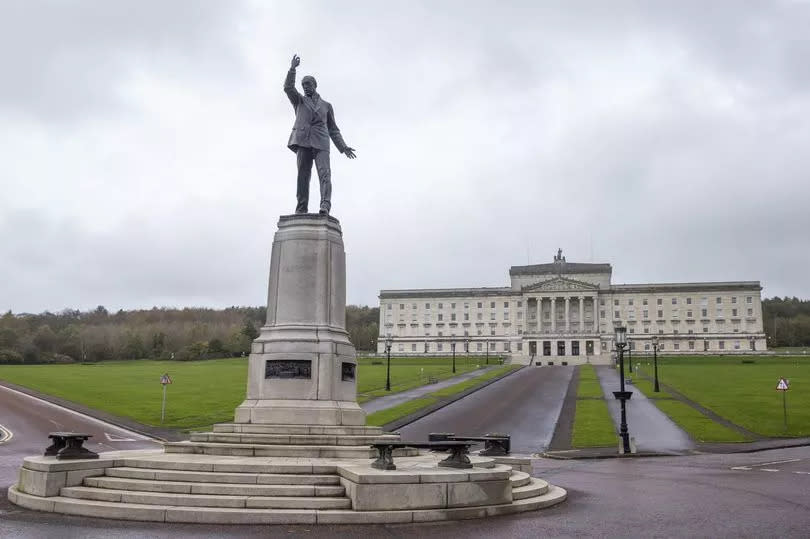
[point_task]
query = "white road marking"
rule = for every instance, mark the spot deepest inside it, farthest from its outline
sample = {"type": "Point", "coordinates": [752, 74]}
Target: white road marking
{"type": "Point", "coordinates": [5, 434]}
{"type": "Point", "coordinates": [114, 438]}
{"type": "Point", "coordinates": [768, 470]}
{"type": "Point", "coordinates": [134, 435]}
{"type": "Point", "coordinates": [806, 473]}
{"type": "Point", "coordinates": [741, 468]}
{"type": "Point", "coordinates": [776, 462]}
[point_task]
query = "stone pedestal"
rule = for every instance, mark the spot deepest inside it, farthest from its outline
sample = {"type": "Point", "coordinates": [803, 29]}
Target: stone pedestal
{"type": "Point", "coordinates": [302, 366]}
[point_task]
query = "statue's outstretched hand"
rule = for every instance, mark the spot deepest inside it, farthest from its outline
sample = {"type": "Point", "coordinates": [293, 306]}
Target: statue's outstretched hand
{"type": "Point", "coordinates": [295, 61]}
{"type": "Point", "coordinates": [349, 152]}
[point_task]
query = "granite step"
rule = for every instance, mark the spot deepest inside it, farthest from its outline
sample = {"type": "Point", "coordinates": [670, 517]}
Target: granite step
{"type": "Point", "coordinates": [222, 477]}
{"type": "Point", "coordinates": [227, 489]}
{"type": "Point", "coordinates": [202, 500]}
{"type": "Point", "coordinates": [226, 515]}
{"type": "Point", "coordinates": [217, 463]}
{"type": "Point", "coordinates": [290, 439]}
{"type": "Point", "coordinates": [264, 450]}
{"type": "Point", "coordinates": [536, 487]}
{"type": "Point", "coordinates": [519, 479]}
{"type": "Point", "coordinates": [330, 430]}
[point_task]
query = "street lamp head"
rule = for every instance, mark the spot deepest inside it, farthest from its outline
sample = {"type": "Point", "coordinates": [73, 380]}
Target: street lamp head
{"type": "Point", "coordinates": [621, 336]}
{"type": "Point", "coordinates": [655, 341]}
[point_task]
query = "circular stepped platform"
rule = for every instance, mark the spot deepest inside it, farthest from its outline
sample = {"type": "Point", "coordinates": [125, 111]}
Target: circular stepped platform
{"type": "Point", "coordinates": [167, 487]}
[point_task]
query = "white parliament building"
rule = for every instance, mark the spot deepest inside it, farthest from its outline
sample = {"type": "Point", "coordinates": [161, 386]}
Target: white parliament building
{"type": "Point", "coordinates": [565, 312]}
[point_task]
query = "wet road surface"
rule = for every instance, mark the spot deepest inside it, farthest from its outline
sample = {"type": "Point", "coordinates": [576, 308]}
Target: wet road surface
{"type": "Point", "coordinates": [525, 405]}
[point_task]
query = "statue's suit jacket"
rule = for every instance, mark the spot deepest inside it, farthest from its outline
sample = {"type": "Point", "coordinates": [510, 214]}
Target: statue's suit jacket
{"type": "Point", "coordinates": [314, 120]}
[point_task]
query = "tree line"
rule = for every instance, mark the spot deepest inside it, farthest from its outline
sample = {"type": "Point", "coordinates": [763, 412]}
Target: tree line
{"type": "Point", "coordinates": [786, 321]}
{"type": "Point", "coordinates": [158, 333]}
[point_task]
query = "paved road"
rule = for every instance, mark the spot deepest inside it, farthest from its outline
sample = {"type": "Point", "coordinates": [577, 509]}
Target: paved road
{"type": "Point", "coordinates": [381, 403]}
{"type": "Point", "coordinates": [30, 420]}
{"type": "Point", "coordinates": [651, 427]}
{"type": "Point", "coordinates": [525, 405]}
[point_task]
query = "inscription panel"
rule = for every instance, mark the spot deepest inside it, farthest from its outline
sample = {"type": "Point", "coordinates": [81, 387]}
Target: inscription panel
{"type": "Point", "coordinates": [288, 368]}
{"type": "Point", "coordinates": [347, 372]}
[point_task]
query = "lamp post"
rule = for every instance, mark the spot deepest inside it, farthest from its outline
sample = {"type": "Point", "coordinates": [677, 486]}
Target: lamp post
{"type": "Point", "coordinates": [622, 395]}
{"type": "Point", "coordinates": [388, 342]}
{"type": "Point", "coordinates": [453, 348]}
{"type": "Point", "coordinates": [467, 349]}
{"type": "Point", "coordinates": [487, 343]}
{"type": "Point", "coordinates": [655, 361]}
{"type": "Point", "coordinates": [630, 356]}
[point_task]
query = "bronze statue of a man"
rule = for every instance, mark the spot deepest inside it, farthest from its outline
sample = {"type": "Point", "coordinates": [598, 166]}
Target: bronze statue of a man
{"type": "Point", "coordinates": [314, 125]}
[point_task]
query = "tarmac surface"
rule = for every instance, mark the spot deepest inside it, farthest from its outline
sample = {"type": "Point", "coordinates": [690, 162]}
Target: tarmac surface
{"type": "Point", "coordinates": [387, 401]}
{"type": "Point", "coordinates": [525, 405]}
{"type": "Point", "coordinates": [652, 429]}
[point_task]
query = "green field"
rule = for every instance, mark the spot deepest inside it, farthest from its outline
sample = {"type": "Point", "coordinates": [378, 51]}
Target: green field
{"type": "Point", "coordinates": [202, 392]}
{"type": "Point", "coordinates": [593, 426]}
{"type": "Point", "coordinates": [744, 393]}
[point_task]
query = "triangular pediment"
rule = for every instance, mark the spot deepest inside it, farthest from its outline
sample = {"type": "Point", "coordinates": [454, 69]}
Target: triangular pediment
{"type": "Point", "coordinates": [560, 284]}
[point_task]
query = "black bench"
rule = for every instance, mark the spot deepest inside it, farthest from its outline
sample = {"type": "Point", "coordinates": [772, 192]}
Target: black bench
{"type": "Point", "coordinates": [68, 445]}
{"type": "Point", "coordinates": [495, 445]}
{"type": "Point", "coordinates": [457, 459]}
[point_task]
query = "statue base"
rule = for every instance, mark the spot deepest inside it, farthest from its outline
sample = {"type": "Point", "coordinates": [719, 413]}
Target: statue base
{"type": "Point", "coordinates": [302, 367]}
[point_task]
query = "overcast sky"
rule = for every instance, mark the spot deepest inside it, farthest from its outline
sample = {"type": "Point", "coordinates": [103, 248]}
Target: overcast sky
{"type": "Point", "coordinates": [143, 155]}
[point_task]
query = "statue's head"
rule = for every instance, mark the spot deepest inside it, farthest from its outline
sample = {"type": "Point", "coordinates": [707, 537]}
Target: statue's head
{"type": "Point", "coordinates": [309, 84]}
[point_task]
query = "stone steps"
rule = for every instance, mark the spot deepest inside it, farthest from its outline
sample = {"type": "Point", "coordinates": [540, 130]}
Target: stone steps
{"type": "Point", "coordinates": [202, 500]}
{"type": "Point", "coordinates": [215, 489]}
{"type": "Point", "coordinates": [290, 439]}
{"type": "Point", "coordinates": [222, 477]}
{"type": "Point", "coordinates": [330, 430]}
{"type": "Point", "coordinates": [263, 450]}
{"type": "Point", "coordinates": [225, 515]}
{"type": "Point", "coordinates": [519, 479]}
{"type": "Point", "coordinates": [535, 487]}
{"type": "Point", "coordinates": [215, 463]}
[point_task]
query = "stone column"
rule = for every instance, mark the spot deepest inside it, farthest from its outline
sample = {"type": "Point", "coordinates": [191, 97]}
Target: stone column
{"type": "Point", "coordinates": [567, 314]}
{"type": "Point", "coordinates": [581, 314]}
{"type": "Point", "coordinates": [553, 314]}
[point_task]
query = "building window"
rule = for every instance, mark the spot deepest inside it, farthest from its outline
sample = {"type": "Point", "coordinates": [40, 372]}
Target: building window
{"type": "Point", "coordinates": [660, 314]}
{"type": "Point", "coordinates": [704, 313]}
{"type": "Point", "coordinates": [440, 317]}
{"type": "Point", "coordinates": [520, 330]}
{"type": "Point", "coordinates": [602, 301]}
{"type": "Point", "coordinates": [574, 348]}
{"type": "Point", "coordinates": [453, 317]}
{"type": "Point", "coordinates": [691, 331]}
{"type": "Point", "coordinates": [719, 300]}
{"type": "Point", "coordinates": [616, 314]}
{"type": "Point", "coordinates": [520, 315]}
{"type": "Point", "coordinates": [644, 301]}
{"type": "Point", "coordinates": [491, 304]}
{"type": "Point", "coordinates": [480, 332]}
{"type": "Point", "coordinates": [674, 313]}
{"type": "Point", "coordinates": [452, 305]}
{"type": "Point", "coordinates": [630, 302]}
{"type": "Point", "coordinates": [659, 301]}
{"type": "Point", "coordinates": [505, 304]}
{"type": "Point", "coordinates": [413, 306]}
{"type": "Point", "coordinates": [660, 331]}
{"type": "Point", "coordinates": [401, 347]}
{"type": "Point", "coordinates": [480, 316]}
{"type": "Point", "coordinates": [722, 345]}
{"type": "Point", "coordinates": [520, 347]}
{"type": "Point", "coordinates": [646, 347]}
{"type": "Point", "coordinates": [705, 330]}
{"type": "Point", "coordinates": [427, 305]}
{"type": "Point", "coordinates": [646, 330]}
{"type": "Point", "coordinates": [733, 312]}
{"type": "Point", "coordinates": [389, 306]}
{"type": "Point", "coordinates": [750, 312]}
{"type": "Point", "coordinates": [466, 316]}
{"type": "Point", "coordinates": [506, 316]}
{"type": "Point", "coordinates": [520, 304]}
{"type": "Point", "coordinates": [441, 306]}
{"type": "Point", "coordinates": [632, 330]}
{"type": "Point", "coordinates": [413, 347]}
{"type": "Point", "coordinates": [748, 299]}
{"type": "Point", "coordinates": [478, 346]}
{"type": "Point", "coordinates": [439, 347]}
{"type": "Point", "coordinates": [491, 332]}
{"type": "Point", "coordinates": [689, 301]}
{"type": "Point", "coordinates": [719, 312]}
{"type": "Point", "coordinates": [677, 346]}
{"type": "Point", "coordinates": [688, 314]}
{"type": "Point", "coordinates": [480, 304]}
{"type": "Point", "coordinates": [616, 302]}
{"type": "Point", "coordinates": [691, 345]}
{"type": "Point", "coordinates": [675, 331]}
{"type": "Point", "coordinates": [733, 299]}
{"type": "Point", "coordinates": [492, 316]}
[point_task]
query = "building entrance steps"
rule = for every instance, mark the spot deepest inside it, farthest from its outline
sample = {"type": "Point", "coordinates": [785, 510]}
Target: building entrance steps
{"type": "Point", "coordinates": [651, 428]}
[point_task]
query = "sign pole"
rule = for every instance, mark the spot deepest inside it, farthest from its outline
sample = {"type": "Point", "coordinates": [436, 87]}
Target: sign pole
{"type": "Point", "coordinates": [163, 408]}
{"type": "Point", "coordinates": [784, 407]}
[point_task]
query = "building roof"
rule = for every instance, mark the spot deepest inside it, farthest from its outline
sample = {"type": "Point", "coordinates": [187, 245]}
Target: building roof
{"type": "Point", "coordinates": [449, 292]}
{"type": "Point", "coordinates": [682, 287]}
{"type": "Point", "coordinates": [560, 267]}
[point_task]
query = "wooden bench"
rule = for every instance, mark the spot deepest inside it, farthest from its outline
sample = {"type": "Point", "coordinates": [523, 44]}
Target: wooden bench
{"type": "Point", "coordinates": [495, 445]}
{"type": "Point", "coordinates": [457, 459]}
{"type": "Point", "coordinates": [68, 445]}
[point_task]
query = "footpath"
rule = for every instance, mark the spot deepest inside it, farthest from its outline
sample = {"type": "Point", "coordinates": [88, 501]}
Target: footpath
{"type": "Point", "coordinates": [387, 401]}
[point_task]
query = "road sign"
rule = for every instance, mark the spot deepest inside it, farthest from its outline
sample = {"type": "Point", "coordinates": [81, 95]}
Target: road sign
{"type": "Point", "coordinates": [165, 379]}
{"type": "Point", "coordinates": [783, 385]}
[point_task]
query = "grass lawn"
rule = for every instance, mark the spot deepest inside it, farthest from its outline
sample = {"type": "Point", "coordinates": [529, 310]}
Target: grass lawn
{"type": "Point", "coordinates": [388, 415]}
{"type": "Point", "coordinates": [744, 393]}
{"type": "Point", "coordinates": [203, 392]}
{"type": "Point", "coordinates": [407, 373]}
{"type": "Point", "coordinates": [593, 426]}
